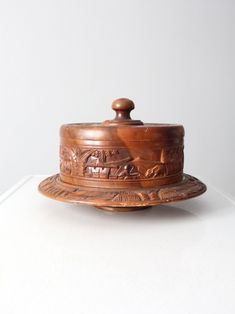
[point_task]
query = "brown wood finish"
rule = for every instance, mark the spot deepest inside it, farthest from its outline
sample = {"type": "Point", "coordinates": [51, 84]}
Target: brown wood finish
{"type": "Point", "coordinates": [121, 164]}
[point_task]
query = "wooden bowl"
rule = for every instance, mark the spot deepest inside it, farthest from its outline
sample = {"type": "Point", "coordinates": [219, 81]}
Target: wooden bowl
{"type": "Point", "coordinates": [121, 164]}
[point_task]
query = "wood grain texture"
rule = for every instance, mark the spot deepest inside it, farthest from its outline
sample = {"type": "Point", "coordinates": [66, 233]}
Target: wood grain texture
{"type": "Point", "coordinates": [121, 163]}
{"type": "Point", "coordinates": [122, 200]}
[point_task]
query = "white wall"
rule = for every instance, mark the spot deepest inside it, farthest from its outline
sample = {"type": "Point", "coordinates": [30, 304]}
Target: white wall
{"type": "Point", "coordinates": [65, 61]}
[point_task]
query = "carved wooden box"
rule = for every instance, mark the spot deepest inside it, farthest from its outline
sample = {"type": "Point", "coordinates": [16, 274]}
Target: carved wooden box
{"type": "Point", "coordinates": [121, 164]}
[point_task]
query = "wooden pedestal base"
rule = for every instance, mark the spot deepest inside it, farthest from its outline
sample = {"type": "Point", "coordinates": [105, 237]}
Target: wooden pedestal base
{"type": "Point", "coordinates": [122, 209]}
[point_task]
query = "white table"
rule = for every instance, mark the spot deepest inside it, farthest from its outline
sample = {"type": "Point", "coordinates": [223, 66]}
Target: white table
{"type": "Point", "coordinates": [61, 258]}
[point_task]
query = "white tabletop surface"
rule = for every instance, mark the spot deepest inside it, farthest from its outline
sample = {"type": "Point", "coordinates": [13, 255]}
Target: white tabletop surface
{"type": "Point", "coordinates": [63, 258]}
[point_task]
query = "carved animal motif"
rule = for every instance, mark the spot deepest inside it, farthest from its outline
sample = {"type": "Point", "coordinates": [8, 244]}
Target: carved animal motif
{"type": "Point", "coordinates": [118, 164]}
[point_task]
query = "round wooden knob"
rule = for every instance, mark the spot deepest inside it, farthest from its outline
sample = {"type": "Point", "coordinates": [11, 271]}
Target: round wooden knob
{"type": "Point", "coordinates": [123, 107]}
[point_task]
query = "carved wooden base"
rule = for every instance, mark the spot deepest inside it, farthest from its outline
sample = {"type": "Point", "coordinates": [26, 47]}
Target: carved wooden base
{"type": "Point", "coordinates": [122, 199]}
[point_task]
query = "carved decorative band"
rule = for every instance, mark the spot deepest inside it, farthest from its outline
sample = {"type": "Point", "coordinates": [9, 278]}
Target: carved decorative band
{"type": "Point", "coordinates": [81, 165]}
{"type": "Point", "coordinates": [187, 188]}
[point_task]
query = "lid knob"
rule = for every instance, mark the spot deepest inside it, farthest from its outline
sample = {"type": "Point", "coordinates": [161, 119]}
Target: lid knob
{"type": "Point", "coordinates": [123, 107]}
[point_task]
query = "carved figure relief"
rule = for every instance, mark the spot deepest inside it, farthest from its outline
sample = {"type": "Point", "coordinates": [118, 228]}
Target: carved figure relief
{"type": "Point", "coordinates": [118, 164]}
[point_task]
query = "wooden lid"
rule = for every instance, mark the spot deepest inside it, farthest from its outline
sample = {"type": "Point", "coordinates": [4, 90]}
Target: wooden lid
{"type": "Point", "coordinates": [123, 128]}
{"type": "Point", "coordinates": [121, 152]}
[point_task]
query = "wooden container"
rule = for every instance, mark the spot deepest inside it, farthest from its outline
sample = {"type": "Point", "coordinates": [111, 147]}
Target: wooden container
{"type": "Point", "coordinates": [121, 164]}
